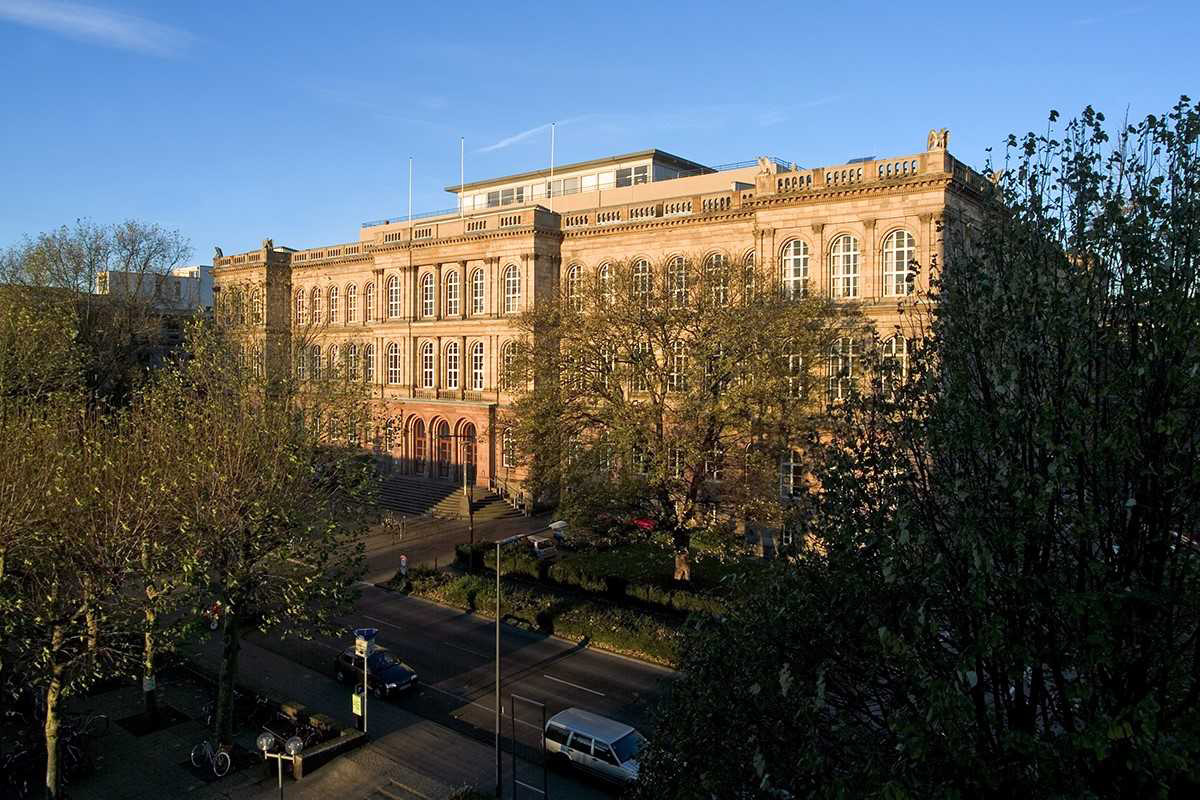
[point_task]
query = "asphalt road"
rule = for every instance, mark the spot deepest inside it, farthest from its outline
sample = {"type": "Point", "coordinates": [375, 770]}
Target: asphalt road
{"type": "Point", "coordinates": [453, 710]}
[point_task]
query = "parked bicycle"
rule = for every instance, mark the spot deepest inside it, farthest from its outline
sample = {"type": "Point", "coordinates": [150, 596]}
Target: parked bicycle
{"type": "Point", "coordinates": [217, 760]}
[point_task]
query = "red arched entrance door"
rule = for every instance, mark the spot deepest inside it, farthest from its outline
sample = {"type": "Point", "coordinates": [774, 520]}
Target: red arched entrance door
{"type": "Point", "coordinates": [417, 433]}
{"type": "Point", "coordinates": [468, 443]}
{"type": "Point", "coordinates": [444, 449]}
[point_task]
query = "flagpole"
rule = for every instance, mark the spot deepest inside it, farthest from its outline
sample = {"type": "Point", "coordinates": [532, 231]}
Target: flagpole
{"type": "Point", "coordinates": [410, 190]}
{"type": "Point", "coordinates": [550, 185]}
{"type": "Point", "coordinates": [461, 174]}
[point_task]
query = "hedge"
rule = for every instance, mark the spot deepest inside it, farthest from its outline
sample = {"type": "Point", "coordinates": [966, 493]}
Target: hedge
{"type": "Point", "coordinates": [649, 635]}
{"type": "Point", "coordinates": [602, 574]}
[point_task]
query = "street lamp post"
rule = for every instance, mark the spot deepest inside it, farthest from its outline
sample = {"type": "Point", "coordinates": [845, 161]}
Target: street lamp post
{"type": "Point", "coordinates": [499, 543]}
{"type": "Point", "coordinates": [293, 746]}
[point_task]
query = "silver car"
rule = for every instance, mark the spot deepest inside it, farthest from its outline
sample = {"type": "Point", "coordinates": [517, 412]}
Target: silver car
{"type": "Point", "coordinates": [597, 744]}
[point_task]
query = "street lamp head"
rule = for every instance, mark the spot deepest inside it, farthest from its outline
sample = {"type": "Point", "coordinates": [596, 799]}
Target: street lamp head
{"type": "Point", "coordinates": [294, 746]}
{"type": "Point", "coordinates": [266, 742]}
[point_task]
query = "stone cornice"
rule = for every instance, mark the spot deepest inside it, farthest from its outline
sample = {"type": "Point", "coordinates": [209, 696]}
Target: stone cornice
{"type": "Point", "coordinates": [733, 215]}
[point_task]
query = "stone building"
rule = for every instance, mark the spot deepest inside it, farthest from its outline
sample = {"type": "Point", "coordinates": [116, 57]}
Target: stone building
{"type": "Point", "coordinates": [422, 308]}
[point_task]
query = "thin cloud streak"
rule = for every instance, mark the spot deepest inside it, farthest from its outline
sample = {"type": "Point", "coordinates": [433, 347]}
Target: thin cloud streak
{"type": "Point", "coordinates": [523, 135]}
{"type": "Point", "coordinates": [108, 28]}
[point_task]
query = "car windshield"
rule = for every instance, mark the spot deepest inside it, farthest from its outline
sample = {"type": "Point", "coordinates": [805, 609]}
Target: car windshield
{"type": "Point", "coordinates": [628, 746]}
{"type": "Point", "coordinates": [383, 660]}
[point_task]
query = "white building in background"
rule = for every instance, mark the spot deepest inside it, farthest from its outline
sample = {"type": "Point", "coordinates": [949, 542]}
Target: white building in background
{"type": "Point", "coordinates": [183, 290]}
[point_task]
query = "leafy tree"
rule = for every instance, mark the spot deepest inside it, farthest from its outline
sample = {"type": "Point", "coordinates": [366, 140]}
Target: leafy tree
{"type": "Point", "coordinates": [671, 392]}
{"type": "Point", "coordinates": [270, 494]}
{"type": "Point", "coordinates": [65, 561]}
{"type": "Point", "coordinates": [1005, 600]}
{"type": "Point", "coordinates": [116, 335]}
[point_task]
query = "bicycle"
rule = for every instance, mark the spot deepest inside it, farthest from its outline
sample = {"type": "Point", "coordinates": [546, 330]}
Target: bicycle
{"type": "Point", "coordinates": [88, 723]}
{"type": "Point", "coordinates": [218, 761]}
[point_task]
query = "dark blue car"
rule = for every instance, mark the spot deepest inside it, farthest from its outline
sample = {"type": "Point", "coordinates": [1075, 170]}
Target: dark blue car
{"type": "Point", "coordinates": [387, 674]}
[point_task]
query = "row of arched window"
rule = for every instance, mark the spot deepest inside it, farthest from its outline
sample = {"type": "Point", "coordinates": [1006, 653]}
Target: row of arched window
{"type": "Point", "coordinates": [898, 254]}
{"type": "Point", "coordinates": [317, 306]}
{"type": "Point", "coordinates": [360, 363]}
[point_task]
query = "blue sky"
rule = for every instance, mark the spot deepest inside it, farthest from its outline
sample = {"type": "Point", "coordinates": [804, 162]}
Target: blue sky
{"type": "Point", "coordinates": [237, 121]}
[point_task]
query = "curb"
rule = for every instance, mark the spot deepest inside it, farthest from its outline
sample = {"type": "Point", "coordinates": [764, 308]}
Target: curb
{"type": "Point", "coordinates": [590, 645]}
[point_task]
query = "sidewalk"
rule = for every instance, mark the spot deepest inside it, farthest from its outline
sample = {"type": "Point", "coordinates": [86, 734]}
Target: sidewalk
{"type": "Point", "coordinates": [447, 758]}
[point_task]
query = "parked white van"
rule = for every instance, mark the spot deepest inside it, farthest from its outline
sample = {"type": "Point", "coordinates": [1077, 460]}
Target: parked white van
{"type": "Point", "coordinates": [600, 745]}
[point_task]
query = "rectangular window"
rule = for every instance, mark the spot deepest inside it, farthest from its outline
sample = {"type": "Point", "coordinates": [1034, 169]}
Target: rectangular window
{"type": "Point", "coordinates": [570, 186]}
{"type": "Point", "coordinates": [556, 734]}
{"type": "Point", "coordinates": [554, 188]}
{"type": "Point", "coordinates": [588, 183]}
{"type": "Point", "coordinates": [640, 174]}
{"type": "Point", "coordinates": [607, 179]}
{"type": "Point", "coordinates": [625, 177]}
{"type": "Point", "coordinates": [506, 197]}
{"type": "Point", "coordinates": [493, 199]}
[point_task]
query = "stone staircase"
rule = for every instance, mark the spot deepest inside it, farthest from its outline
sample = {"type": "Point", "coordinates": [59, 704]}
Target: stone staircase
{"type": "Point", "coordinates": [417, 497]}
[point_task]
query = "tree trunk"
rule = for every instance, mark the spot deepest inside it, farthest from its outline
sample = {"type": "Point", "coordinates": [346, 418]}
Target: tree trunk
{"type": "Point", "coordinates": [683, 557]}
{"type": "Point", "coordinates": [229, 663]}
{"type": "Point", "coordinates": [149, 687]}
{"type": "Point", "coordinates": [93, 628]}
{"type": "Point", "coordinates": [53, 692]}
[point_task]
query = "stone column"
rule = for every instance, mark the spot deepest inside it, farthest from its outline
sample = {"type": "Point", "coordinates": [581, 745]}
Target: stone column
{"type": "Point", "coordinates": [822, 259]}
{"type": "Point", "coordinates": [439, 292]}
{"type": "Point", "coordinates": [870, 279]}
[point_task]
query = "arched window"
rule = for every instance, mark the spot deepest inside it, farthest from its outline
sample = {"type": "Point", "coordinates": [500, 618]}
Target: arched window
{"type": "Point", "coordinates": [299, 306]}
{"type": "Point", "coordinates": [508, 360]}
{"type": "Point", "coordinates": [794, 367]}
{"type": "Point", "coordinates": [314, 361]}
{"type": "Point", "coordinates": [451, 381]}
{"type": "Point", "coordinates": [427, 365]}
{"type": "Point", "coordinates": [393, 363]}
{"type": "Point", "coordinates": [791, 475]}
{"type": "Point", "coordinates": [843, 266]}
{"type": "Point", "coordinates": [427, 295]}
{"type": "Point", "coordinates": [352, 303]}
{"type": "Point", "coordinates": [841, 369]}
{"type": "Point", "coordinates": [316, 306]}
{"type": "Point", "coordinates": [899, 251]}
{"type": "Point", "coordinates": [333, 360]}
{"type": "Point", "coordinates": [452, 296]}
{"type": "Point", "coordinates": [393, 297]}
{"type": "Point", "coordinates": [477, 366]}
{"type": "Point", "coordinates": [641, 281]}
{"type": "Point", "coordinates": [677, 377]}
{"type": "Point", "coordinates": [748, 275]}
{"type": "Point", "coordinates": [477, 292]}
{"type": "Point", "coordinates": [512, 290]}
{"type": "Point", "coordinates": [895, 358]}
{"type": "Point", "coordinates": [369, 363]}
{"type": "Point", "coordinates": [573, 297]}
{"type": "Point", "coordinates": [256, 307]}
{"type": "Point", "coordinates": [301, 364]}
{"type": "Point", "coordinates": [334, 305]}
{"type": "Point", "coordinates": [352, 361]}
{"type": "Point", "coordinates": [794, 263]}
{"type": "Point", "coordinates": [604, 281]}
{"type": "Point", "coordinates": [418, 446]}
{"type": "Point", "coordinates": [643, 360]}
{"type": "Point", "coordinates": [444, 445]}
{"type": "Point", "coordinates": [508, 453]}
{"type": "Point", "coordinates": [677, 282]}
{"type": "Point", "coordinates": [369, 302]}
{"type": "Point", "coordinates": [716, 274]}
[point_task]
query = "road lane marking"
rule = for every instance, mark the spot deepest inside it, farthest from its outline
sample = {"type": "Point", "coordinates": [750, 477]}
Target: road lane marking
{"type": "Point", "coordinates": [488, 709]}
{"type": "Point", "coordinates": [475, 653]}
{"type": "Point", "coordinates": [574, 685]}
{"type": "Point", "coordinates": [383, 622]}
